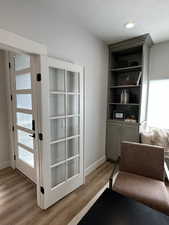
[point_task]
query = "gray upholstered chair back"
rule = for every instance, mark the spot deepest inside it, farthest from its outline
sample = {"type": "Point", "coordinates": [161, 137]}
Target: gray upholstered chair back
{"type": "Point", "coordinates": [142, 159]}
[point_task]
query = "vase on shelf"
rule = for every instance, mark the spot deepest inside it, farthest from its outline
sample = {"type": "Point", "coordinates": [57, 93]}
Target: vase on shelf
{"type": "Point", "coordinates": [126, 97]}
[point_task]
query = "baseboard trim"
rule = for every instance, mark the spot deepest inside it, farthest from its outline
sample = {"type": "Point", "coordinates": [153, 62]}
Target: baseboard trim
{"type": "Point", "coordinates": [94, 165]}
{"type": "Point", "coordinates": [4, 165]}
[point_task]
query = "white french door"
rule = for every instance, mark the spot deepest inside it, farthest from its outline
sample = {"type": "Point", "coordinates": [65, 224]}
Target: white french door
{"type": "Point", "coordinates": [62, 127]}
{"type": "Point", "coordinates": [24, 113]}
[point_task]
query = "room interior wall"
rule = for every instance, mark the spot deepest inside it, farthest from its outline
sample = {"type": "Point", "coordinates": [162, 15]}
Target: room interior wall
{"type": "Point", "coordinates": [68, 41]}
{"type": "Point", "coordinates": [4, 131]}
{"type": "Point", "coordinates": [159, 63]}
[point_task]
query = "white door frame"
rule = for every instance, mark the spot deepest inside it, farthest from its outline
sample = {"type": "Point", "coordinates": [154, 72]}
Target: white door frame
{"type": "Point", "coordinates": [15, 43]}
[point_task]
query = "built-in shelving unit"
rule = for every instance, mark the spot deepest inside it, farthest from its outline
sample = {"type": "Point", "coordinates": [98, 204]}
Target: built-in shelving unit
{"type": "Point", "coordinates": [125, 76]}
{"type": "Point", "coordinates": [127, 96]}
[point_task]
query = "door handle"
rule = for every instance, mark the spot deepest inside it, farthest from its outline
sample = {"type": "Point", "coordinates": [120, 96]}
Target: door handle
{"type": "Point", "coordinates": [32, 135]}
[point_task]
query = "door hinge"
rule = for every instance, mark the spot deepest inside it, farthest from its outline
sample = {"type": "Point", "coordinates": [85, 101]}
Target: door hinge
{"type": "Point", "coordinates": [38, 77]}
{"type": "Point", "coordinates": [9, 65]}
{"type": "Point", "coordinates": [11, 97]}
{"type": "Point", "coordinates": [40, 136]}
{"type": "Point", "coordinates": [42, 190]}
{"type": "Point", "coordinates": [13, 128]}
{"type": "Point", "coordinates": [14, 157]}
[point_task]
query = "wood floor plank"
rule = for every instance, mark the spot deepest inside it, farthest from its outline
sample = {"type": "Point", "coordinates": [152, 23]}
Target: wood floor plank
{"type": "Point", "coordinates": [18, 199]}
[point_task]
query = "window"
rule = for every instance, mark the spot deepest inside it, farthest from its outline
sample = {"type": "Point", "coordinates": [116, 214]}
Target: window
{"type": "Point", "coordinates": [158, 104]}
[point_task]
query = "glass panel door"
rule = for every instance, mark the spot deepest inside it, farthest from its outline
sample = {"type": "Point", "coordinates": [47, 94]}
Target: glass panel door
{"type": "Point", "coordinates": [65, 115]}
{"type": "Point", "coordinates": [24, 114]}
{"type": "Point", "coordinates": [64, 124]}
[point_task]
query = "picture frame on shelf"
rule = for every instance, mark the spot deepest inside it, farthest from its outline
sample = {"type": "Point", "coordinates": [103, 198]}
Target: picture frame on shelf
{"type": "Point", "coordinates": [118, 115]}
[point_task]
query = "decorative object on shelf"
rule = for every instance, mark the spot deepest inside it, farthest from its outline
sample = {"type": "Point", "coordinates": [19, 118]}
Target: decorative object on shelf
{"type": "Point", "coordinates": [125, 97]}
{"type": "Point", "coordinates": [139, 78]}
{"type": "Point", "coordinates": [117, 115]}
{"type": "Point", "coordinates": [122, 97]}
{"type": "Point", "coordinates": [127, 79]}
{"type": "Point", "coordinates": [131, 119]}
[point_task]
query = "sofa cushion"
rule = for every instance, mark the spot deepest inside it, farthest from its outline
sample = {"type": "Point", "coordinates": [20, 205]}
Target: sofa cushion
{"type": "Point", "coordinates": [146, 190]}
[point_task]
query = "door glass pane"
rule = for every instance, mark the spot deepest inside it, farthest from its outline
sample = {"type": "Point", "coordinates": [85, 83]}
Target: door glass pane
{"type": "Point", "coordinates": [58, 152]}
{"type": "Point", "coordinates": [56, 77]}
{"type": "Point", "coordinates": [72, 167]}
{"type": "Point", "coordinates": [24, 120]}
{"type": "Point", "coordinates": [23, 81]}
{"type": "Point", "coordinates": [57, 129]}
{"type": "Point", "coordinates": [22, 62]}
{"type": "Point", "coordinates": [26, 156]}
{"type": "Point", "coordinates": [72, 105]}
{"type": "Point", "coordinates": [72, 126]}
{"type": "Point", "coordinates": [72, 147]}
{"type": "Point", "coordinates": [58, 174]}
{"type": "Point", "coordinates": [72, 81]}
{"type": "Point", "coordinates": [25, 139]}
{"type": "Point", "coordinates": [57, 105]}
{"type": "Point", "coordinates": [24, 101]}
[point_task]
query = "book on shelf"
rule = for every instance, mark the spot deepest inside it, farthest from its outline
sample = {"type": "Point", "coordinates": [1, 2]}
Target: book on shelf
{"type": "Point", "coordinates": [139, 78]}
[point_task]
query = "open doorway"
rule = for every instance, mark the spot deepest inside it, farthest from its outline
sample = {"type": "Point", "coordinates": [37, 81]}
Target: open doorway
{"type": "Point", "coordinates": [18, 117]}
{"type": "Point", "coordinates": [46, 122]}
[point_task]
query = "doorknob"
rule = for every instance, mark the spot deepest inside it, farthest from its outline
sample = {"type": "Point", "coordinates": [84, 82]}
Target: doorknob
{"type": "Point", "coordinates": [32, 135]}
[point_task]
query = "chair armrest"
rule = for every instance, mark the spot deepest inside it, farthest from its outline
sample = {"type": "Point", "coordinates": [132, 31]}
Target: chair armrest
{"type": "Point", "coordinates": [166, 170]}
{"type": "Point", "coordinates": [114, 173]}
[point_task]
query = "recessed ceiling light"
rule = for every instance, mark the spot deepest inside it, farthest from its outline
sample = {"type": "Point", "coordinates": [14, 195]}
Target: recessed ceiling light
{"type": "Point", "coordinates": [130, 25]}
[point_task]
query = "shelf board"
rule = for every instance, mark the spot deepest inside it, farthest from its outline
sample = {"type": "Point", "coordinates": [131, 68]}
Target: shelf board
{"type": "Point", "coordinates": [126, 68]}
{"type": "Point", "coordinates": [129, 104]}
{"type": "Point", "coordinates": [126, 86]}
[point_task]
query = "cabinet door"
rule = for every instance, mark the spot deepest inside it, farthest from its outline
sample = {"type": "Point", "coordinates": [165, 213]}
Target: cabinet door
{"type": "Point", "coordinates": [113, 141]}
{"type": "Point", "coordinates": [130, 133]}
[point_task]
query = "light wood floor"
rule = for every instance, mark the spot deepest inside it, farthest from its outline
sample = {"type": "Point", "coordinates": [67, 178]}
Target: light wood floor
{"type": "Point", "coordinates": [18, 199]}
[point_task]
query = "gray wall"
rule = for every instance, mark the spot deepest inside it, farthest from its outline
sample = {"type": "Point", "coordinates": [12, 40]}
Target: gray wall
{"type": "Point", "coordinates": [159, 61]}
{"type": "Point", "coordinates": [4, 135]}
{"type": "Point", "coordinates": [68, 41]}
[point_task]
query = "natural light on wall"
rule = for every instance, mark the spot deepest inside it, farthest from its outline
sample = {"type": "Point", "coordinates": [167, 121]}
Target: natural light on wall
{"type": "Point", "coordinates": [158, 104]}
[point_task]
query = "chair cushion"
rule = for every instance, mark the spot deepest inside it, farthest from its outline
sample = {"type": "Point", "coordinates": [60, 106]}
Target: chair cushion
{"type": "Point", "coordinates": [146, 190]}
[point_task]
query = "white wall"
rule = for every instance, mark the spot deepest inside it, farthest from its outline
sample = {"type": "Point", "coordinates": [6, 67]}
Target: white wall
{"type": "Point", "coordinates": [4, 135]}
{"type": "Point", "coordinates": [69, 41]}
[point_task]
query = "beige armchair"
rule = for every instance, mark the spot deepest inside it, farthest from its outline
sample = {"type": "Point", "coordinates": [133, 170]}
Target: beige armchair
{"type": "Point", "coordinates": [141, 175]}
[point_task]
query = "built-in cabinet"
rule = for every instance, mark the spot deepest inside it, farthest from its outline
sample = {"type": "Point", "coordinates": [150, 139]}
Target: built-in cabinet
{"type": "Point", "coordinates": [127, 92]}
{"type": "Point", "coordinates": [118, 132]}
